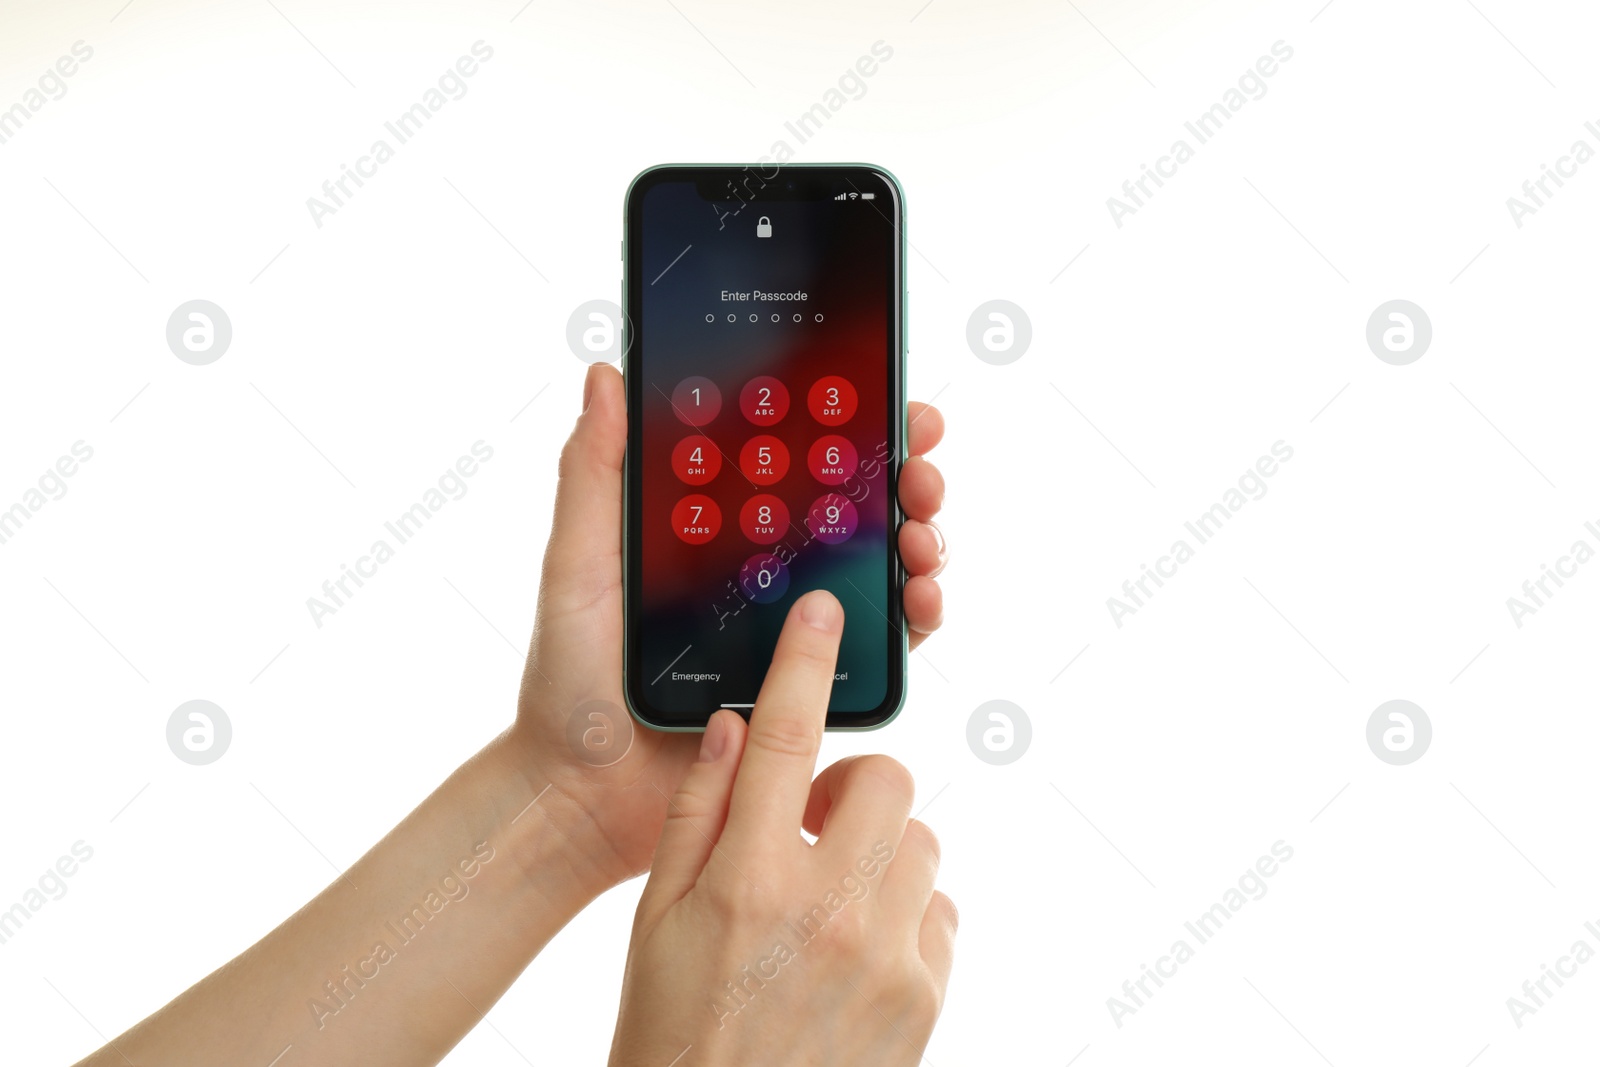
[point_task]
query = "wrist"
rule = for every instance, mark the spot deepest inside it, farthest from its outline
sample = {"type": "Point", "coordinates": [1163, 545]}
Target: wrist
{"type": "Point", "coordinates": [553, 838]}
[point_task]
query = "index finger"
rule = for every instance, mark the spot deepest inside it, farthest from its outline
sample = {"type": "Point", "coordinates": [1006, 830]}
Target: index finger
{"type": "Point", "coordinates": [774, 782]}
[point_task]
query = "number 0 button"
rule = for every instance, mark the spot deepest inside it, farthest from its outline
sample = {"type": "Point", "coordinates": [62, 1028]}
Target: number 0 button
{"type": "Point", "coordinates": [763, 578]}
{"type": "Point", "coordinates": [764, 460]}
{"type": "Point", "coordinates": [832, 459]}
{"type": "Point", "coordinates": [696, 401]}
{"type": "Point", "coordinates": [832, 401]}
{"type": "Point", "coordinates": [695, 460]}
{"type": "Point", "coordinates": [696, 519]}
{"type": "Point", "coordinates": [764, 401]}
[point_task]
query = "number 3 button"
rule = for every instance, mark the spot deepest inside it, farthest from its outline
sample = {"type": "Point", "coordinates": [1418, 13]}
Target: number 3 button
{"type": "Point", "coordinates": [832, 401]}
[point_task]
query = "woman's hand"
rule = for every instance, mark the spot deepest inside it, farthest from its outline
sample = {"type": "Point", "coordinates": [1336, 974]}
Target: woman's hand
{"type": "Point", "coordinates": [753, 946]}
{"type": "Point", "coordinates": [574, 667]}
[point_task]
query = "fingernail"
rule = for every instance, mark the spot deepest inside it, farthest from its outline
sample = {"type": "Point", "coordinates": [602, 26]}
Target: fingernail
{"type": "Point", "coordinates": [938, 535]}
{"type": "Point", "coordinates": [715, 741]}
{"type": "Point", "coordinates": [588, 387]}
{"type": "Point", "coordinates": [819, 609]}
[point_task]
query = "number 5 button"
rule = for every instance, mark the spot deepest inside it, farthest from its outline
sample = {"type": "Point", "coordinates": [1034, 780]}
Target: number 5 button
{"type": "Point", "coordinates": [764, 460]}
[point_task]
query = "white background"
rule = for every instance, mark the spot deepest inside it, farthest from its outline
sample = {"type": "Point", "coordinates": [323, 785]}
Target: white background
{"type": "Point", "coordinates": [1227, 314]}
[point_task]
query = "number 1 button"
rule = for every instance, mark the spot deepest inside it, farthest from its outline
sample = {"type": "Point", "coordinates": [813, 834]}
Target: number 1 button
{"type": "Point", "coordinates": [696, 401]}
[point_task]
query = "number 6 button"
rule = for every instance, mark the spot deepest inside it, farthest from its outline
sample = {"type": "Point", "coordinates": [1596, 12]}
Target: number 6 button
{"type": "Point", "coordinates": [832, 459]}
{"type": "Point", "coordinates": [764, 460]}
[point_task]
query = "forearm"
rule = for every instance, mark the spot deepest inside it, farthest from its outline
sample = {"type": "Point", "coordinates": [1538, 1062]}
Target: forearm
{"type": "Point", "coordinates": [399, 957]}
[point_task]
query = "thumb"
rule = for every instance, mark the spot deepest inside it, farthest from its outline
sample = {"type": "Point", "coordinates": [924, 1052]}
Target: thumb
{"type": "Point", "coordinates": [584, 557]}
{"type": "Point", "coordinates": [695, 817]}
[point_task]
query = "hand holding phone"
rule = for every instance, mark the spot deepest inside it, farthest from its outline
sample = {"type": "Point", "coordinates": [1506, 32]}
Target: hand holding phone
{"type": "Point", "coordinates": [572, 728]}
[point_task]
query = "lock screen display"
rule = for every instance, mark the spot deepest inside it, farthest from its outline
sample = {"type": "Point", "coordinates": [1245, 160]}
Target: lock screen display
{"type": "Point", "coordinates": [764, 431]}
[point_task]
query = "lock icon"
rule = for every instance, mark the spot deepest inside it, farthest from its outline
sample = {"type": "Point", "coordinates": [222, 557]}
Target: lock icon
{"type": "Point", "coordinates": [763, 227]}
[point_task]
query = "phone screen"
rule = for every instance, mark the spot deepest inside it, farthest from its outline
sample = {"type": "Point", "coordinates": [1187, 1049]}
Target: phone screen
{"type": "Point", "coordinates": [765, 418]}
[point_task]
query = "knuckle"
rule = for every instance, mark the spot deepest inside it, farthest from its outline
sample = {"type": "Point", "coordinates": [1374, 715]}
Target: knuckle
{"type": "Point", "coordinates": [945, 908]}
{"type": "Point", "coordinates": [923, 1001]}
{"type": "Point", "coordinates": [784, 734]}
{"type": "Point", "coordinates": [818, 654]}
{"type": "Point", "coordinates": [733, 896]}
{"type": "Point", "coordinates": [845, 932]}
{"type": "Point", "coordinates": [890, 772]}
{"type": "Point", "coordinates": [920, 835]}
{"type": "Point", "coordinates": [572, 458]}
{"type": "Point", "coordinates": [688, 805]}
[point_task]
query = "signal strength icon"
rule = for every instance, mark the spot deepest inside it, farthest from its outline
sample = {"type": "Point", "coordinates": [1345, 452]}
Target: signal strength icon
{"type": "Point", "coordinates": [841, 196]}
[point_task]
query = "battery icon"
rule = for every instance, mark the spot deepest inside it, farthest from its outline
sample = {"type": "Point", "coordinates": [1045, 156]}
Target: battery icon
{"type": "Point", "coordinates": [868, 196]}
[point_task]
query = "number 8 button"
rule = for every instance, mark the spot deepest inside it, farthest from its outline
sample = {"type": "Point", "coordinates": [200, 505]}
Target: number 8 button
{"type": "Point", "coordinates": [764, 519]}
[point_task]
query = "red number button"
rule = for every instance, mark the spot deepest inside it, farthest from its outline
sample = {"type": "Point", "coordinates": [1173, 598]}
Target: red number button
{"type": "Point", "coordinates": [764, 460]}
{"type": "Point", "coordinates": [764, 519]}
{"type": "Point", "coordinates": [695, 460]}
{"type": "Point", "coordinates": [832, 401]}
{"type": "Point", "coordinates": [764, 401]}
{"type": "Point", "coordinates": [696, 519]}
{"type": "Point", "coordinates": [832, 459]}
{"type": "Point", "coordinates": [833, 519]}
{"type": "Point", "coordinates": [696, 401]}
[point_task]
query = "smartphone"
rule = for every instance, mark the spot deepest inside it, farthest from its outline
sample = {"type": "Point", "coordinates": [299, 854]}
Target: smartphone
{"type": "Point", "coordinates": [765, 367]}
